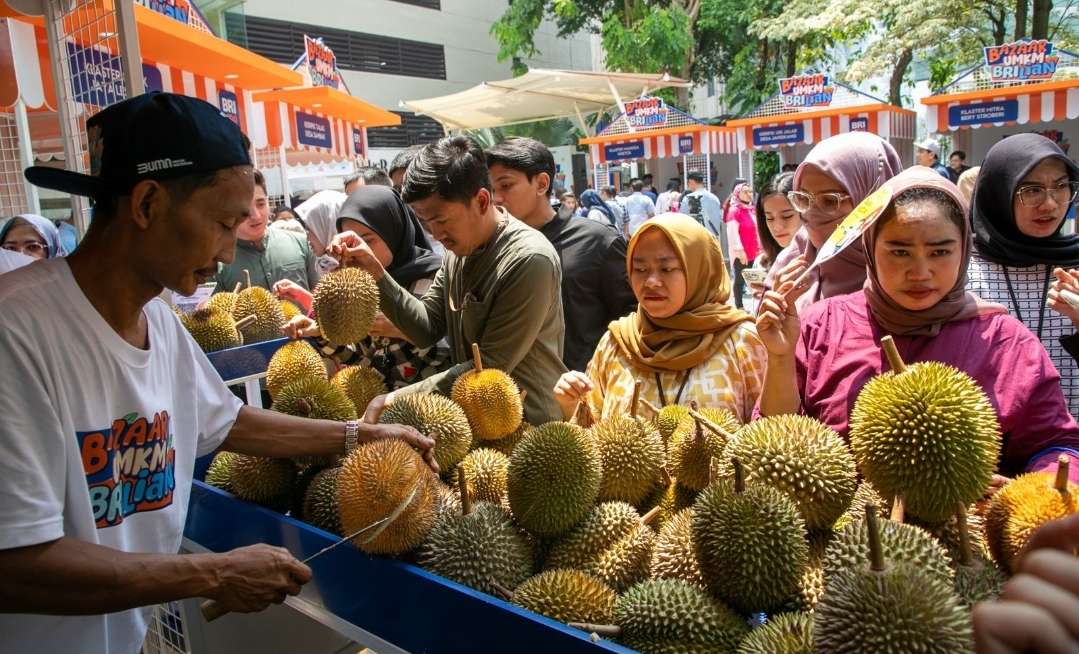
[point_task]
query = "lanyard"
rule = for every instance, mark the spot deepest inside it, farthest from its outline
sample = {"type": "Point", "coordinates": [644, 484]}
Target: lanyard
{"type": "Point", "coordinates": [1015, 300]}
{"type": "Point", "coordinates": [681, 387]}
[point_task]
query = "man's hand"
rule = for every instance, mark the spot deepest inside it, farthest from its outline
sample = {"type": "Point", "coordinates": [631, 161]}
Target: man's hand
{"type": "Point", "coordinates": [351, 250]}
{"type": "Point", "coordinates": [383, 328]}
{"type": "Point", "coordinates": [376, 406]}
{"type": "Point", "coordinates": [301, 327]}
{"type": "Point", "coordinates": [1066, 280]}
{"type": "Point", "coordinates": [251, 578]}
{"type": "Point", "coordinates": [425, 445]}
{"type": "Point", "coordinates": [287, 289]}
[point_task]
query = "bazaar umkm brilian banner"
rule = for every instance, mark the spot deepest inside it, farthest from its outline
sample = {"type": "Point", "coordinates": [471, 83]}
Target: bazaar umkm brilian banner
{"type": "Point", "coordinates": [321, 63]}
{"type": "Point", "coordinates": [1022, 61]}
{"type": "Point", "coordinates": [805, 91]}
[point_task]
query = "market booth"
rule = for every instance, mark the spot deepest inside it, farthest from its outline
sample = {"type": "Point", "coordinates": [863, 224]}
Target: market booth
{"type": "Point", "coordinates": [809, 108]}
{"type": "Point", "coordinates": [1025, 86]}
{"type": "Point", "coordinates": [672, 142]}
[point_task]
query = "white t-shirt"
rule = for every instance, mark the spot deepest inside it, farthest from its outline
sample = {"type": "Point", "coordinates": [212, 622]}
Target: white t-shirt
{"type": "Point", "coordinates": [640, 208]}
{"type": "Point", "coordinates": [11, 260]}
{"type": "Point", "coordinates": [99, 440]}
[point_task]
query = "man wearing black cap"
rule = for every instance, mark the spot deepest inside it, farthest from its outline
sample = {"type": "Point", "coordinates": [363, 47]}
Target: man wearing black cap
{"type": "Point", "coordinates": [115, 400]}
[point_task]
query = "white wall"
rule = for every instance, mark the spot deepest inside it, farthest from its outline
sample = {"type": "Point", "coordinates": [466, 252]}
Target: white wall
{"type": "Point", "coordinates": [980, 140]}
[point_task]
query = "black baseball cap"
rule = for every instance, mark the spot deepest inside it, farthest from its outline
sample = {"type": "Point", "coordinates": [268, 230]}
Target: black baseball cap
{"type": "Point", "coordinates": [150, 136]}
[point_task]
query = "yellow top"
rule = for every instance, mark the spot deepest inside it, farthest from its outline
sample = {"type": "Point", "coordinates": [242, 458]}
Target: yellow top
{"type": "Point", "coordinates": [732, 378]}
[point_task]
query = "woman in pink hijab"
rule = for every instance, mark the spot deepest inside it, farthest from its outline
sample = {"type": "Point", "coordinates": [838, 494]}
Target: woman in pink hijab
{"type": "Point", "coordinates": [917, 255]}
{"type": "Point", "coordinates": [835, 177]}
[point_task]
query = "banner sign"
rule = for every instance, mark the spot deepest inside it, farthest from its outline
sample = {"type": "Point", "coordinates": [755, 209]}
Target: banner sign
{"type": "Point", "coordinates": [859, 124]}
{"type": "Point", "coordinates": [647, 112]}
{"type": "Point", "coordinates": [685, 144]}
{"type": "Point", "coordinates": [230, 107]}
{"type": "Point", "coordinates": [357, 141]}
{"type": "Point", "coordinates": [179, 10]}
{"type": "Point", "coordinates": [321, 63]}
{"type": "Point", "coordinates": [806, 91]}
{"type": "Point", "coordinates": [783, 135]}
{"type": "Point", "coordinates": [96, 77]}
{"type": "Point", "coordinates": [631, 150]}
{"type": "Point", "coordinates": [313, 130]}
{"type": "Point", "coordinates": [981, 113]}
{"type": "Point", "coordinates": [1021, 61]}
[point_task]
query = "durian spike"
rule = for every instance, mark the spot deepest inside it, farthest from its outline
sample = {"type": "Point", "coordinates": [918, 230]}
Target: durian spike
{"type": "Point", "coordinates": [709, 425]}
{"type": "Point", "coordinates": [506, 593]}
{"type": "Point", "coordinates": [1063, 465]}
{"type": "Point", "coordinates": [899, 511]}
{"type": "Point", "coordinates": [964, 536]}
{"type": "Point", "coordinates": [245, 322]}
{"type": "Point", "coordinates": [584, 415]}
{"type": "Point", "coordinates": [739, 476]}
{"type": "Point", "coordinates": [651, 515]}
{"type": "Point", "coordinates": [711, 470]}
{"type": "Point", "coordinates": [239, 285]}
{"type": "Point", "coordinates": [477, 360]}
{"type": "Point", "coordinates": [876, 552]}
{"type": "Point", "coordinates": [651, 407]}
{"type": "Point", "coordinates": [247, 278]}
{"type": "Point", "coordinates": [609, 630]}
{"type": "Point", "coordinates": [633, 403]}
{"type": "Point", "coordinates": [462, 487]}
{"type": "Point", "coordinates": [894, 360]}
{"type": "Point", "coordinates": [667, 479]}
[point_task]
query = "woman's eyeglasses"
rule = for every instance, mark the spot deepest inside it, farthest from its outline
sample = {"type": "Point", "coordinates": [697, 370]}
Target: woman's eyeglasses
{"type": "Point", "coordinates": [829, 203]}
{"type": "Point", "coordinates": [33, 248]}
{"type": "Point", "coordinates": [1034, 195]}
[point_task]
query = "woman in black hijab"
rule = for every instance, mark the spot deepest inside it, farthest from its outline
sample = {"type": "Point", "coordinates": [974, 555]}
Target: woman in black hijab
{"type": "Point", "coordinates": [1024, 191]}
{"type": "Point", "coordinates": [379, 216]}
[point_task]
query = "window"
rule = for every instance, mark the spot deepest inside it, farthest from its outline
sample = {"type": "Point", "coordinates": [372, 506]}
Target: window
{"type": "Point", "coordinates": [428, 4]}
{"type": "Point", "coordinates": [413, 130]}
{"type": "Point", "coordinates": [282, 41]}
{"type": "Point", "coordinates": [711, 87]}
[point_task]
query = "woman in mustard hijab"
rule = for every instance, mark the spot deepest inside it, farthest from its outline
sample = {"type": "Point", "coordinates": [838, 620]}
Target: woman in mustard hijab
{"type": "Point", "coordinates": [684, 343]}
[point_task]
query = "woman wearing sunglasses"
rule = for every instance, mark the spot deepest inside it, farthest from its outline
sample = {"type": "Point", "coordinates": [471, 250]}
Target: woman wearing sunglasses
{"type": "Point", "coordinates": [835, 177]}
{"type": "Point", "coordinates": [1023, 193]}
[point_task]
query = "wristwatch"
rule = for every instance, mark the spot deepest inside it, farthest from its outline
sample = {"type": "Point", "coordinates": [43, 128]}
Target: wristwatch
{"type": "Point", "coordinates": [352, 435]}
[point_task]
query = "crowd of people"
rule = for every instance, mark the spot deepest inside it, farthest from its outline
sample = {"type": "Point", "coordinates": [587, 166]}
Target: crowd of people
{"type": "Point", "coordinates": [579, 304]}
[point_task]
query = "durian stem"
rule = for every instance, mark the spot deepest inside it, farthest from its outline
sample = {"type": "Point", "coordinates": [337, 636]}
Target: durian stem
{"type": "Point", "coordinates": [636, 399]}
{"type": "Point", "coordinates": [584, 415]}
{"type": "Point", "coordinates": [237, 288]}
{"type": "Point", "coordinates": [739, 476]}
{"type": "Point", "coordinates": [524, 394]}
{"type": "Point", "coordinates": [964, 536]}
{"type": "Point", "coordinates": [609, 630]}
{"type": "Point", "coordinates": [245, 322]}
{"type": "Point", "coordinates": [1063, 469]}
{"type": "Point", "coordinates": [890, 351]}
{"type": "Point", "coordinates": [462, 486]}
{"type": "Point", "coordinates": [667, 479]}
{"type": "Point", "coordinates": [709, 425]}
{"type": "Point", "coordinates": [651, 407]}
{"type": "Point", "coordinates": [477, 360]}
{"type": "Point", "coordinates": [247, 278]}
{"type": "Point", "coordinates": [506, 593]}
{"type": "Point", "coordinates": [651, 515]}
{"type": "Point", "coordinates": [899, 511]}
{"type": "Point", "coordinates": [876, 552]}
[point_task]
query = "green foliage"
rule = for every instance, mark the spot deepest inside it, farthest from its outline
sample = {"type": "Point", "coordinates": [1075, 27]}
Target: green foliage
{"type": "Point", "coordinates": [941, 73]}
{"type": "Point", "coordinates": [659, 41]}
{"type": "Point", "coordinates": [551, 133]}
{"type": "Point", "coordinates": [765, 167]}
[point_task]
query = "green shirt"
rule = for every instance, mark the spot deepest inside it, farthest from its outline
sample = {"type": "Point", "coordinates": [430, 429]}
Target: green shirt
{"type": "Point", "coordinates": [279, 255]}
{"type": "Point", "coordinates": [506, 297]}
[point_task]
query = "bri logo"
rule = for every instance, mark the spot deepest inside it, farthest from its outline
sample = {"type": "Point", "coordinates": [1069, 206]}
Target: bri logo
{"type": "Point", "coordinates": [161, 164]}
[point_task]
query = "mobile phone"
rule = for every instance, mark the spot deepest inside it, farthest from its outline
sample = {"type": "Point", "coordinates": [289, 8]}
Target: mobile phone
{"type": "Point", "coordinates": [754, 275]}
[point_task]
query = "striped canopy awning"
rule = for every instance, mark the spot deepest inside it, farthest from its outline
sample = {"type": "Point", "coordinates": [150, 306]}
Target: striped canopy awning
{"type": "Point", "coordinates": [1032, 103]}
{"type": "Point", "coordinates": [691, 140]}
{"type": "Point", "coordinates": [810, 127]}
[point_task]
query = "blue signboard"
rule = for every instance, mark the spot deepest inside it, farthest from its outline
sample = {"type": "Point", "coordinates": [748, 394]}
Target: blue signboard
{"type": "Point", "coordinates": [313, 130]}
{"type": "Point", "coordinates": [782, 135]}
{"type": "Point", "coordinates": [96, 77]}
{"type": "Point", "coordinates": [631, 150]}
{"type": "Point", "coordinates": [859, 124]}
{"type": "Point", "coordinates": [685, 144]}
{"type": "Point", "coordinates": [981, 113]}
{"type": "Point", "coordinates": [229, 106]}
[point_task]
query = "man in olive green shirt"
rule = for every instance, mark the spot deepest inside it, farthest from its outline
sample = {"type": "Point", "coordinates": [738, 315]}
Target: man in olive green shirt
{"type": "Point", "coordinates": [499, 286]}
{"type": "Point", "coordinates": [270, 255]}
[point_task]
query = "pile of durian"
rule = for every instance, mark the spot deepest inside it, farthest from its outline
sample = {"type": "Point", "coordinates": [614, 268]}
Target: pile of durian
{"type": "Point", "coordinates": [683, 531]}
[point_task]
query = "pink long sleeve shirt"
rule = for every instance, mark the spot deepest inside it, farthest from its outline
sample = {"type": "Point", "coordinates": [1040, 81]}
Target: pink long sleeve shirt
{"type": "Point", "coordinates": [838, 352]}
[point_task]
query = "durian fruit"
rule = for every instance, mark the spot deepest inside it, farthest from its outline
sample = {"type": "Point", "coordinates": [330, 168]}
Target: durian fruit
{"type": "Point", "coordinates": [567, 596]}
{"type": "Point", "coordinates": [673, 556]}
{"type": "Point", "coordinates": [345, 304]}
{"type": "Point", "coordinates": [305, 475]}
{"type": "Point", "coordinates": [257, 301]}
{"type": "Point", "coordinates": [667, 616]}
{"type": "Point", "coordinates": [217, 474]}
{"type": "Point", "coordinates": [486, 472]}
{"type": "Point", "coordinates": [692, 447]}
{"type": "Point", "coordinates": [313, 397]}
{"type": "Point", "coordinates": [360, 384]}
{"type": "Point", "coordinates": [490, 399]}
{"type": "Point", "coordinates": [376, 481]}
{"type": "Point", "coordinates": [506, 445]}
{"type": "Point", "coordinates": [949, 537]}
{"type": "Point", "coordinates": [926, 432]}
{"type": "Point", "coordinates": [811, 586]}
{"type": "Point", "coordinates": [212, 329]}
{"type": "Point", "coordinates": [293, 361]}
{"type": "Point", "coordinates": [288, 309]}
{"type": "Point", "coordinates": [1024, 504]}
{"type": "Point", "coordinates": [750, 543]}
{"type": "Point", "coordinates": [320, 501]}
{"type": "Point", "coordinates": [865, 494]}
{"type": "Point", "coordinates": [632, 455]}
{"type": "Point", "coordinates": [668, 418]}
{"type": "Point", "coordinates": [265, 481]}
{"type": "Point", "coordinates": [554, 478]}
{"type": "Point", "coordinates": [448, 499]}
{"type": "Point", "coordinates": [224, 301]}
{"type": "Point", "coordinates": [612, 544]}
{"type": "Point", "coordinates": [802, 457]}
{"type": "Point", "coordinates": [437, 417]}
{"type": "Point", "coordinates": [902, 543]}
{"type": "Point", "coordinates": [785, 633]}
{"type": "Point", "coordinates": [977, 579]}
{"type": "Point", "coordinates": [671, 497]}
{"type": "Point", "coordinates": [886, 606]}
{"type": "Point", "coordinates": [477, 546]}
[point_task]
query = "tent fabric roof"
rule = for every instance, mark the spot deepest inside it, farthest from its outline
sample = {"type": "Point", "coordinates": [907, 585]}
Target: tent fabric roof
{"type": "Point", "coordinates": [538, 95]}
